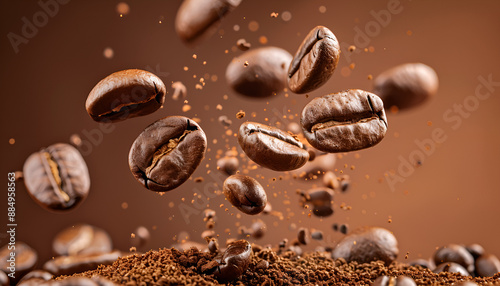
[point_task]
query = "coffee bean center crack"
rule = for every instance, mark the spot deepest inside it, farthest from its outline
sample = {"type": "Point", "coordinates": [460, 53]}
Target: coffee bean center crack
{"type": "Point", "coordinates": [54, 170]}
{"type": "Point", "coordinates": [165, 150]}
{"type": "Point", "coordinates": [288, 139]}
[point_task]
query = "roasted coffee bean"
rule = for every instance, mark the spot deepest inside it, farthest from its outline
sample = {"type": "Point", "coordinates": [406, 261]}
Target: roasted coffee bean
{"type": "Point", "coordinates": [228, 165]}
{"type": "Point", "coordinates": [271, 147]}
{"type": "Point", "coordinates": [245, 193]}
{"type": "Point", "coordinates": [330, 180]}
{"type": "Point", "coordinates": [345, 183]}
{"type": "Point", "coordinates": [225, 121]}
{"type": "Point", "coordinates": [455, 253]}
{"type": "Point", "coordinates": [475, 249]}
{"type": "Point", "coordinates": [320, 199]}
{"type": "Point", "coordinates": [394, 281]}
{"type": "Point", "coordinates": [57, 177]}
{"type": "Point", "coordinates": [213, 245]}
{"type": "Point", "coordinates": [81, 239]}
{"type": "Point", "coordinates": [368, 244]}
{"type": "Point", "coordinates": [487, 265]}
{"type": "Point", "coordinates": [296, 249]}
{"type": "Point", "coordinates": [125, 94]}
{"type": "Point", "coordinates": [140, 236]}
{"type": "Point", "coordinates": [4, 279]}
{"type": "Point", "coordinates": [451, 267]}
{"type": "Point", "coordinates": [259, 72]}
{"type": "Point", "coordinates": [315, 61]}
{"type": "Point", "coordinates": [317, 168]}
{"type": "Point", "coordinates": [406, 86]}
{"type": "Point", "coordinates": [425, 263]}
{"type": "Point", "coordinates": [243, 45]}
{"type": "Point", "coordinates": [198, 19]}
{"type": "Point", "coordinates": [234, 261]}
{"type": "Point", "coordinates": [303, 236]}
{"type": "Point", "coordinates": [344, 228]}
{"type": "Point", "coordinates": [317, 235]}
{"type": "Point", "coordinates": [26, 259]}
{"type": "Point", "coordinates": [167, 153]}
{"type": "Point", "coordinates": [209, 214]}
{"type": "Point", "coordinates": [258, 228]}
{"type": "Point", "coordinates": [35, 277]}
{"type": "Point", "coordinates": [67, 265]}
{"type": "Point", "coordinates": [345, 121]}
{"type": "Point", "coordinates": [263, 264]}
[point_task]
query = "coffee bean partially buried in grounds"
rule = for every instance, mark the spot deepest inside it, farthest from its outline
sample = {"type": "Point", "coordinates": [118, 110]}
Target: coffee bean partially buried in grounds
{"type": "Point", "coordinates": [487, 265]}
{"type": "Point", "coordinates": [271, 147]}
{"type": "Point", "coordinates": [198, 19]}
{"type": "Point", "coordinates": [245, 193]}
{"type": "Point", "coordinates": [234, 261]}
{"type": "Point", "coordinates": [406, 86]}
{"type": "Point", "coordinates": [81, 239]}
{"type": "Point", "coordinates": [67, 265]}
{"type": "Point", "coordinates": [26, 259]}
{"type": "Point", "coordinates": [315, 61]}
{"type": "Point", "coordinates": [259, 72]}
{"type": "Point", "coordinates": [345, 121]}
{"type": "Point", "coordinates": [57, 177]}
{"type": "Point", "coordinates": [125, 94]}
{"type": "Point", "coordinates": [455, 253]}
{"type": "Point", "coordinates": [368, 244]}
{"type": "Point", "coordinates": [167, 152]}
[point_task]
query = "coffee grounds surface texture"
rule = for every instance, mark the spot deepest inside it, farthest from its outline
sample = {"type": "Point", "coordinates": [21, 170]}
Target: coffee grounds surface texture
{"type": "Point", "coordinates": [192, 267]}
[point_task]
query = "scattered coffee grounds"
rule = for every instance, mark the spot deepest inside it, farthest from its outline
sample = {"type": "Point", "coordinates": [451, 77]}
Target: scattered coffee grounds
{"type": "Point", "coordinates": [192, 267]}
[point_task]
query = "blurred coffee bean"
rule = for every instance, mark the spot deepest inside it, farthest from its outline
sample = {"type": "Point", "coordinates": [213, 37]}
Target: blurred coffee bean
{"type": "Point", "coordinates": [345, 182]}
{"type": "Point", "coordinates": [268, 209]}
{"type": "Point", "coordinates": [259, 72]}
{"type": "Point", "coordinates": [81, 239]}
{"type": "Point", "coordinates": [234, 261]}
{"type": "Point", "coordinates": [330, 180]}
{"type": "Point", "coordinates": [225, 121]}
{"type": "Point", "coordinates": [296, 249]}
{"type": "Point", "coordinates": [335, 227]}
{"type": "Point", "coordinates": [258, 228]}
{"type": "Point", "coordinates": [368, 244]}
{"type": "Point", "coordinates": [25, 260]}
{"type": "Point", "coordinates": [208, 214]}
{"type": "Point", "coordinates": [180, 90]}
{"type": "Point", "coordinates": [4, 279]}
{"type": "Point", "coordinates": [197, 20]}
{"type": "Point", "coordinates": [141, 236]}
{"type": "Point", "coordinates": [228, 165]}
{"type": "Point", "coordinates": [475, 249]}
{"type": "Point", "coordinates": [393, 281]}
{"type": "Point", "coordinates": [316, 168]}
{"type": "Point", "coordinates": [243, 45]}
{"type": "Point", "coordinates": [344, 228]}
{"type": "Point", "coordinates": [345, 121]}
{"type": "Point", "coordinates": [320, 200]}
{"type": "Point", "coordinates": [425, 263]}
{"type": "Point", "coordinates": [317, 235]}
{"type": "Point", "coordinates": [455, 253]}
{"type": "Point", "coordinates": [67, 265]}
{"type": "Point", "coordinates": [315, 61]}
{"type": "Point", "coordinates": [208, 234]}
{"type": "Point", "coordinates": [35, 277]}
{"type": "Point", "coordinates": [57, 177]}
{"type": "Point", "coordinates": [245, 193]}
{"type": "Point", "coordinates": [303, 236]}
{"type": "Point", "coordinates": [271, 147]}
{"type": "Point", "coordinates": [210, 224]}
{"type": "Point", "coordinates": [406, 85]}
{"type": "Point", "coordinates": [167, 153]}
{"type": "Point", "coordinates": [213, 245]}
{"type": "Point", "coordinates": [263, 264]}
{"type": "Point", "coordinates": [125, 94]}
{"type": "Point", "coordinates": [487, 265]}
{"type": "Point", "coordinates": [451, 267]}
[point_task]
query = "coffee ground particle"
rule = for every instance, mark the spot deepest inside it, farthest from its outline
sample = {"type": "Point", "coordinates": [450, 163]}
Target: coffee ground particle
{"type": "Point", "coordinates": [192, 267]}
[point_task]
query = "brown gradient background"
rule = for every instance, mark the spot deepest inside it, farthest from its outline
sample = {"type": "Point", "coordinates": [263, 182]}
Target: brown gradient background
{"type": "Point", "coordinates": [452, 198]}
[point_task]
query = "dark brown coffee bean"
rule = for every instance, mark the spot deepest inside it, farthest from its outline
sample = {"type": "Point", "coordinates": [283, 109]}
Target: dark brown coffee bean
{"type": "Point", "coordinates": [475, 249]}
{"type": "Point", "coordinates": [345, 121]}
{"type": "Point", "coordinates": [140, 236]}
{"type": "Point", "coordinates": [234, 261]}
{"type": "Point", "coordinates": [406, 86]}
{"type": "Point", "coordinates": [425, 263]}
{"type": "Point", "coordinates": [35, 277]}
{"type": "Point", "coordinates": [487, 265]}
{"type": "Point", "coordinates": [368, 244]}
{"type": "Point", "coordinates": [198, 19]}
{"type": "Point", "coordinates": [167, 153]}
{"type": "Point", "coordinates": [67, 265]}
{"type": "Point", "coordinates": [271, 147]}
{"type": "Point", "coordinates": [57, 177]}
{"type": "Point", "coordinates": [344, 228]}
{"type": "Point", "coordinates": [317, 235]}
{"type": "Point", "coordinates": [320, 199]}
{"type": "Point", "coordinates": [209, 214]}
{"type": "Point", "coordinates": [245, 193]}
{"type": "Point", "coordinates": [451, 267]}
{"type": "Point", "coordinates": [23, 257]}
{"type": "Point", "coordinates": [303, 236]}
{"type": "Point", "coordinates": [345, 183]}
{"type": "Point", "coordinates": [4, 279]}
{"type": "Point", "coordinates": [243, 45]}
{"type": "Point", "coordinates": [258, 228]}
{"type": "Point", "coordinates": [208, 234]}
{"type": "Point", "coordinates": [394, 281]}
{"type": "Point", "coordinates": [259, 72]}
{"type": "Point", "coordinates": [455, 253]}
{"type": "Point", "coordinates": [317, 168]}
{"type": "Point", "coordinates": [228, 165]}
{"type": "Point", "coordinates": [125, 94]}
{"type": "Point", "coordinates": [81, 239]}
{"type": "Point", "coordinates": [315, 61]}
{"type": "Point", "coordinates": [213, 245]}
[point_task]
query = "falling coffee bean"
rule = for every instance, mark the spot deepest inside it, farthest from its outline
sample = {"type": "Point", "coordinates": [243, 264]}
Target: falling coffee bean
{"type": "Point", "coordinates": [81, 239]}
{"type": "Point", "coordinates": [344, 228]}
{"type": "Point", "coordinates": [303, 236]}
{"type": "Point", "coordinates": [125, 94]}
{"type": "Point", "coordinates": [315, 61]}
{"type": "Point", "coordinates": [67, 265]}
{"type": "Point", "coordinates": [141, 236]}
{"type": "Point", "coordinates": [258, 228]}
{"type": "Point", "coordinates": [345, 121]}
{"type": "Point", "coordinates": [394, 281]}
{"type": "Point", "coordinates": [243, 45]}
{"type": "Point", "coordinates": [451, 267]}
{"type": "Point", "coordinates": [368, 244]}
{"type": "Point", "coordinates": [167, 153]}
{"type": "Point", "coordinates": [25, 260]}
{"type": "Point", "coordinates": [213, 245]}
{"type": "Point", "coordinates": [271, 147]}
{"type": "Point", "coordinates": [228, 165]}
{"type": "Point", "coordinates": [245, 193]}
{"type": "Point", "coordinates": [317, 235]}
{"type": "Point", "coordinates": [406, 86]}
{"type": "Point", "coordinates": [455, 253]}
{"type": "Point", "coordinates": [198, 19]}
{"type": "Point", "coordinates": [57, 177]}
{"type": "Point", "coordinates": [259, 72]}
{"type": "Point", "coordinates": [487, 265]}
{"type": "Point", "coordinates": [320, 199]}
{"type": "Point", "coordinates": [234, 261]}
